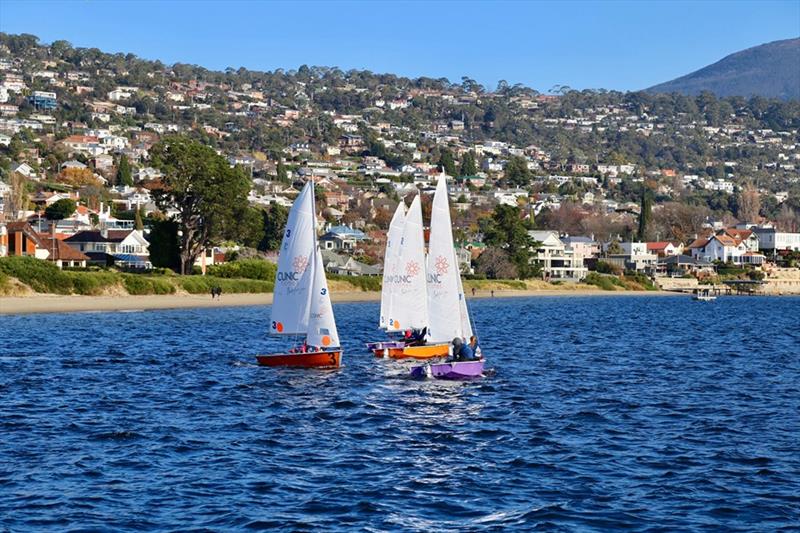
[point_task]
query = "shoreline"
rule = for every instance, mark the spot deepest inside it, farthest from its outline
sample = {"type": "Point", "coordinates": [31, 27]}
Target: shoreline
{"type": "Point", "coordinates": [54, 303]}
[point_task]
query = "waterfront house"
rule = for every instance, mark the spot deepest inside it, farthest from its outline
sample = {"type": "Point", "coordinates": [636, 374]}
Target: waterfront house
{"type": "Point", "coordinates": [664, 248]}
{"type": "Point", "coordinates": [634, 256]}
{"type": "Point", "coordinates": [62, 254]}
{"type": "Point", "coordinates": [725, 248]}
{"type": "Point", "coordinates": [124, 248]}
{"type": "Point", "coordinates": [20, 239]}
{"type": "Point", "coordinates": [681, 265]}
{"type": "Point", "coordinates": [771, 241]}
{"type": "Point", "coordinates": [558, 262]}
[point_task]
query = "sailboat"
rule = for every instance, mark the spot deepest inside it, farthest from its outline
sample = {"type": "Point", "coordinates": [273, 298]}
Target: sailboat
{"type": "Point", "coordinates": [408, 305]}
{"type": "Point", "coordinates": [447, 304]}
{"type": "Point", "coordinates": [391, 280]}
{"type": "Point", "coordinates": [301, 304]}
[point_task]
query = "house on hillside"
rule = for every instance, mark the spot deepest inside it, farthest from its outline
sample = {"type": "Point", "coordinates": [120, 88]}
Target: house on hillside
{"type": "Point", "coordinates": [341, 238]}
{"type": "Point", "coordinates": [344, 265]}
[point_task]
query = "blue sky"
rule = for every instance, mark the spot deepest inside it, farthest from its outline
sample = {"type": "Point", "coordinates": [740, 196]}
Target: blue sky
{"type": "Point", "coordinates": [611, 45]}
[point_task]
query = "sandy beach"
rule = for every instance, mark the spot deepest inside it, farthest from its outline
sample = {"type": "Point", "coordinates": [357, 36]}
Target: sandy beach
{"type": "Point", "coordinates": [51, 303]}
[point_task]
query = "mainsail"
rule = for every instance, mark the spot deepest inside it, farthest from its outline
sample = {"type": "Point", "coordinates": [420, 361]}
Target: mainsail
{"type": "Point", "coordinates": [408, 309]}
{"type": "Point", "coordinates": [321, 324]}
{"type": "Point", "coordinates": [443, 275]}
{"type": "Point", "coordinates": [292, 295]}
{"type": "Point", "coordinates": [466, 323]}
{"type": "Point", "coordinates": [390, 262]}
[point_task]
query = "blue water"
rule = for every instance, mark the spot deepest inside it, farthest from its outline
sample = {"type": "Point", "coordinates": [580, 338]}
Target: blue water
{"type": "Point", "coordinates": [642, 413]}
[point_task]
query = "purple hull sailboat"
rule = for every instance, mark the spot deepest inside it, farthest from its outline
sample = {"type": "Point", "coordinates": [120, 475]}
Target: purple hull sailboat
{"type": "Point", "coordinates": [453, 370]}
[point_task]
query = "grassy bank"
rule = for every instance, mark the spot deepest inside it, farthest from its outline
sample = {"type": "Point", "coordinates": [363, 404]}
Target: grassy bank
{"type": "Point", "coordinates": [43, 277]}
{"type": "Point", "coordinates": [20, 275]}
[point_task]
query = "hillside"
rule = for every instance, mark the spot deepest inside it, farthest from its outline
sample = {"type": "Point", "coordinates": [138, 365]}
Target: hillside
{"type": "Point", "coordinates": [770, 70]}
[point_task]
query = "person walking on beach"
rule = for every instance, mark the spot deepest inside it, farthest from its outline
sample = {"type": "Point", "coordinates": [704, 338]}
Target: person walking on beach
{"type": "Point", "coordinates": [473, 292]}
{"type": "Point", "coordinates": [492, 293]}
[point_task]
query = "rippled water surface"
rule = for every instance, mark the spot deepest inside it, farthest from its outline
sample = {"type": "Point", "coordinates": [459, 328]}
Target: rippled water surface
{"type": "Point", "coordinates": [601, 413]}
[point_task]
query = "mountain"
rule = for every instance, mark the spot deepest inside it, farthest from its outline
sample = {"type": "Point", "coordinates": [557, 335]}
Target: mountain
{"type": "Point", "coordinates": [770, 70]}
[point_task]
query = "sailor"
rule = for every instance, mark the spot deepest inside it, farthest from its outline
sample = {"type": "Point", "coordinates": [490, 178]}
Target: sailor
{"type": "Point", "coordinates": [462, 351]}
{"type": "Point", "coordinates": [476, 349]}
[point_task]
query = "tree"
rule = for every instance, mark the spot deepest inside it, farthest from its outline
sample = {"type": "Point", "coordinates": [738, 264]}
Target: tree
{"type": "Point", "coordinates": [506, 230]}
{"type": "Point", "coordinates": [749, 204]}
{"type": "Point", "coordinates": [447, 163]}
{"type": "Point", "coordinates": [495, 263]}
{"type": "Point", "coordinates": [468, 166]}
{"type": "Point", "coordinates": [274, 224]}
{"type": "Point", "coordinates": [18, 196]}
{"type": "Point", "coordinates": [210, 197]}
{"type": "Point", "coordinates": [139, 224]}
{"type": "Point", "coordinates": [645, 213]}
{"type": "Point", "coordinates": [124, 175]}
{"type": "Point", "coordinates": [281, 172]}
{"type": "Point", "coordinates": [516, 171]}
{"type": "Point", "coordinates": [60, 209]}
{"type": "Point", "coordinates": [164, 248]}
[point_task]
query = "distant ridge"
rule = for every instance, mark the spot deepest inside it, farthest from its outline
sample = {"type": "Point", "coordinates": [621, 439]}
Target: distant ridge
{"type": "Point", "coordinates": [770, 70]}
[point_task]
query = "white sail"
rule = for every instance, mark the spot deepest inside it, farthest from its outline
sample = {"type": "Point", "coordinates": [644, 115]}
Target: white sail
{"type": "Point", "coordinates": [466, 323]}
{"type": "Point", "coordinates": [321, 324]}
{"type": "Point", "coordinates": [443, 306]}
{"type": "Point", "coordinates": [292, 294]}
{"type": "Point", "coordinates": [408, 309]}
{"type": "Point", "coordinates": [393, 237]}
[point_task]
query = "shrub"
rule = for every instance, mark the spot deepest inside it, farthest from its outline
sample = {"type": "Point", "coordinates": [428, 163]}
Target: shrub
{"type": "Point", "coordinates": [246, 268]}
{"type": "Point", "coordinates": [365, 283]}
{"type": "Point", "coordinates": [140, 284]}
{"type": "Point", "coordinates": [39, 275]}
{"type": "Point", "coordinates": [604, 267]}
{"type": "Point", "coordinates": [92, 283]}
{"type": "Point", "coordinates": [641, 279]}
{"type": "Point", "coordinates": [607, 283]}
{"type": "Point", "coordinates": [203, 285]}
{"type": "Point", "coordinates": [5, 283]}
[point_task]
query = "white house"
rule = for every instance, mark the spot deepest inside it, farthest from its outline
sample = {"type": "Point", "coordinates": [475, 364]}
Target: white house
{"type": "Point", "coordinates": [558, 262]}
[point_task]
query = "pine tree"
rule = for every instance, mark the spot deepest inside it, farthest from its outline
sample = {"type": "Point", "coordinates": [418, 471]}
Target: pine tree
{"type": "Point", "coordinates": [468, 166]}
{"type": "Point", "coordinates": [281, 171]}
{"type": "Point", "coordinates": [124, 175]}
{"type": "Point", "coordinates": [645, 214]}
{"type": "Point", "coordinates": [138, 219]}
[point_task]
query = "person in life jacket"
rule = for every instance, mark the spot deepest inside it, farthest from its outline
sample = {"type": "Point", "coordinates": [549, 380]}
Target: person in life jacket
{"type": "Point", "coordinates": [476, 349]}
{"type": "Point", "coordinates": [461, 351]}
{"type": "Point", "coordinates": [415, 337]}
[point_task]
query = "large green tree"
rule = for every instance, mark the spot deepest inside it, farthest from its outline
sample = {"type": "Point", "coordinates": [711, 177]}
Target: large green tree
{"type": "Point", "coordinates": [274, 224]}
{"type": "Point", "coordinates": [447, 163]}
{"type": "Point", "coordinates": [516, 171]}
{"type": "Point", "coordinates": [468, 166]}
{"type": "Point", "coordinates": [60, 209]}
{"type": "Point", "coordinates": [209, 195]}
{"type": "Point", "coordinates": [507, 231]}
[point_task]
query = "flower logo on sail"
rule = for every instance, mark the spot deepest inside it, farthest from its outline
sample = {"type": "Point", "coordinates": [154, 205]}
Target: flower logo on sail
{"type": "Point", "coordinates": [300, 264]}
{"type": "Point", "coordinates": [442, 265]}
{"type": "Point", "coordinates": [412, 268]}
